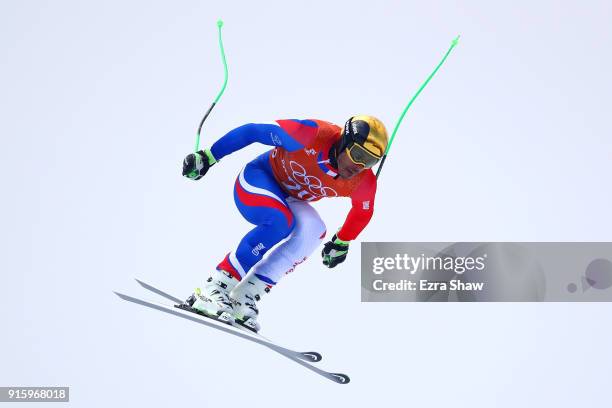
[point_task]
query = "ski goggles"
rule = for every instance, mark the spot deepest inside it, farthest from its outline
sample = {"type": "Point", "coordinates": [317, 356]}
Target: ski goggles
{"type": "Point", "coordinates": [362, 156]}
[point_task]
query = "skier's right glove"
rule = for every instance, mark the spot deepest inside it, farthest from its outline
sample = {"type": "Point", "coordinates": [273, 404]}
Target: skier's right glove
{"type": "Point", "coordinates": [197, 164]}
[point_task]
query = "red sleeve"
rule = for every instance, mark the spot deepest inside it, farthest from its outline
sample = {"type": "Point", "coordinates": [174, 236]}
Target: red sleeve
{"type": "Point", "coordinates": [363, 208]}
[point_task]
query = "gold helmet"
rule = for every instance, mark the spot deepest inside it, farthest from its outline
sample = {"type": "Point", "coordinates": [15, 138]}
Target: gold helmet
{"type": "Point", "coordinates": [365, 140]}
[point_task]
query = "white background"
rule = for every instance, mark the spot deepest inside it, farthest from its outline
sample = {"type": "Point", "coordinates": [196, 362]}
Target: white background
{"type": "Point", "coordinates": [99, 102]}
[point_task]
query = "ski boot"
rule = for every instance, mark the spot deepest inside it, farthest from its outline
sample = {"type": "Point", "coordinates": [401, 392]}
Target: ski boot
{"type": "Point", "coordinates": [213, 300]}
{"type": "Point", "coordinates": [244, 297]}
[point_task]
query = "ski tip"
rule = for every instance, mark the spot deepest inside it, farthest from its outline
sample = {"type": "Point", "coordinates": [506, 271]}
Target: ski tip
{"type": "Point", "coordinates": [340, 378]}
{"type": "Point", "coordinates": [124, 297]}
{"type": "Point", "coordinates": [144, 284]}
{"type": "Point", "coordinates": [312, 356]}
{"type": "Point", "coordinates": [121, 295]}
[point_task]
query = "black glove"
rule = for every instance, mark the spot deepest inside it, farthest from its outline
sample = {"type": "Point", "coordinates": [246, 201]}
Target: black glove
{"type": "Point", "coordinates": [334, 252]}
{"type": "Point", "coordinates": [197, 164]}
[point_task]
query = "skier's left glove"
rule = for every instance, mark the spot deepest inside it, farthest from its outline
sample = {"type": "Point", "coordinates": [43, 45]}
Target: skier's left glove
{"type": "Point", "coordinates": [197, 164]}
{"type": "Point", "coordinates": [334, 251]}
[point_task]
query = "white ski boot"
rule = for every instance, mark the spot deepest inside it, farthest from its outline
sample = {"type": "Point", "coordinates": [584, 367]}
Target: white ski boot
{"type": "Point", "coordinates": [213, 300]}
{"type": "Point", "coordinates": [244, 297]}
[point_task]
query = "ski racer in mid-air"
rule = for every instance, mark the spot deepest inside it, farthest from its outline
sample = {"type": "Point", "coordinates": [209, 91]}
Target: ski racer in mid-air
{"type": "Point", "coordinates": [311, 159]}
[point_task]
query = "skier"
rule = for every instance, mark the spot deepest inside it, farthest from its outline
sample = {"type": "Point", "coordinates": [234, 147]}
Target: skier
{"type": "Point", "coordinates": [311, 159]}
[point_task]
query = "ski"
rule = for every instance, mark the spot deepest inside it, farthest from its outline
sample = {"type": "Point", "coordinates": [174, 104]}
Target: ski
{"type": "Point", "coordinates": [310, 356]}
{"type": "Point", "coordinates": [290, 354]}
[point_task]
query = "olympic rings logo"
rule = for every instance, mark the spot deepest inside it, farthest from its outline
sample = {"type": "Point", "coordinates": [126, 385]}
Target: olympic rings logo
{"type": "Point", "coordinates": [314, 185]}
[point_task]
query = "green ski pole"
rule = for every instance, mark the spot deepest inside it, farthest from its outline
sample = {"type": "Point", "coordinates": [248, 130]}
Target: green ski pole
{"type": "Point", "coordinates": [197, 144]}
{"type": "Point", "coordinates": [399, 121]}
